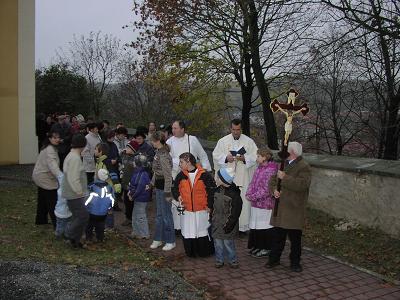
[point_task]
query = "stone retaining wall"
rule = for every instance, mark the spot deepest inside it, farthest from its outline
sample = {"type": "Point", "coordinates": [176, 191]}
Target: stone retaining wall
{"type": "Point", "coordinates": [363, 190]}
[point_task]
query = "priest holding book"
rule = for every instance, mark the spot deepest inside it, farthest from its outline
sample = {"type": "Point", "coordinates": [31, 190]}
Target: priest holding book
{"type": "Point", "coordinates": [239, 152]}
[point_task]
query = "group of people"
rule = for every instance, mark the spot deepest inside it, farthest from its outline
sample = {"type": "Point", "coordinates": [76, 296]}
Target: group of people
{"type": "Point", "coordinates": [207, 210]}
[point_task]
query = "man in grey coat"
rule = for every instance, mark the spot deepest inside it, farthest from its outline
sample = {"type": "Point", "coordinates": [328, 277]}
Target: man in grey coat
{"type": "Point", "coordinates": [74, 189]}
{"type": "Point", "coordinates": [290, 216]}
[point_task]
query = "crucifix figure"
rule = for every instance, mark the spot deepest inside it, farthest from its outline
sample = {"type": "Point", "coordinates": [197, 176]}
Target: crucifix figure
{"type": "Point", "coordinates": [290, 109]}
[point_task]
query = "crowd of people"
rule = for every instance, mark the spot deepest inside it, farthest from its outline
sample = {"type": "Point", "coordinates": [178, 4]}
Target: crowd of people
{"type": "Point", "coordinates": [85, 168]}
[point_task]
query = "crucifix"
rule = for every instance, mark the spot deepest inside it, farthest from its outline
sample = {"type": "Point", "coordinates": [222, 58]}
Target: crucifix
{"type": "Point", "coordinates": [289, 109]}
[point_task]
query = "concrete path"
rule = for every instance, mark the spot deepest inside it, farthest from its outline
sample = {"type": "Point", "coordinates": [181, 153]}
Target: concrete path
{"type": "Point", "coordinates": [322, 278]}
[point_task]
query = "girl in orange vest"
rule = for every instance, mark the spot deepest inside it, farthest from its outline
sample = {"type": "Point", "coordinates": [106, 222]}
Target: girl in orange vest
{"type": "Point", "coordinates": [194, 188]}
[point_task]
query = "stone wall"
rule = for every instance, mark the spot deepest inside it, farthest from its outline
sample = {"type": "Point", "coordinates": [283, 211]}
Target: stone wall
{"type": "Point", "coordinates": [358, 189]}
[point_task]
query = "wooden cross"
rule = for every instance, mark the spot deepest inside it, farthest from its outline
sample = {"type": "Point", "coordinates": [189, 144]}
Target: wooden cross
{"type": "Point", "coordinates": [290, 109]}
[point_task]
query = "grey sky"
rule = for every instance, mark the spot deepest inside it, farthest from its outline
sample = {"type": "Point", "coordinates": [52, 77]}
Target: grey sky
{"type": "Point", "coordinates": [58, 20]}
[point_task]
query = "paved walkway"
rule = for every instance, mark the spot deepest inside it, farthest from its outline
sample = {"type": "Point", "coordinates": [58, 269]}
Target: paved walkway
{"type": "Point", "coordinates": [322, 278]}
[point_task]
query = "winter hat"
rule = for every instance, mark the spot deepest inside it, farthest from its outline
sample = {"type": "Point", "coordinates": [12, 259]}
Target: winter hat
{"type": "Point", "coordinates": [140, 160]}
{"type": "Point", "coordinates": [80, 118]}
{"type": "Point", "coordinates": [133, 145]}
{"type": "Point", "coordinates": [78, 141]}
{"type": "Point", "coordinates": [226, 175]}
{"type": "Point", "coordinates": [102, 174]}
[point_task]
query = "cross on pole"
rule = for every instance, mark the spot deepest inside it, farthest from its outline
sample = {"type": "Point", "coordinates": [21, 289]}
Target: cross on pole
{"type": "Point", "coordinates": [289, 109]}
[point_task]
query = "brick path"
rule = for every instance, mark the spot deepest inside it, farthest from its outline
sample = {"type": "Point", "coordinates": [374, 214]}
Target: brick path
{"type": "Point", "coordinates": [321, 278]}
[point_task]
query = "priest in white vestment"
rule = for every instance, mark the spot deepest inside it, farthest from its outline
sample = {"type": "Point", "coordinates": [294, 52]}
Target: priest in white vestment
{"type": "Point", "coordinates": [180, 143]}
{"type": "Point", "coordinates": [238, 151]}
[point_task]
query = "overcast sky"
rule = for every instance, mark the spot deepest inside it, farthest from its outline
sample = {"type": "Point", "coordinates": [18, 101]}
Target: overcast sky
{"type": "Point", "coordinates": [58, 20]}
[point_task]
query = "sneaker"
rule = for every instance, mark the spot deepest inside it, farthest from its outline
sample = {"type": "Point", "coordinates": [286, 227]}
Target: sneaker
{"type": "Point", "coordinates": [169, 246]}
{"type": "Point", "coordinates": [155, 244]}
{"type": "Point", "coordinates": [234, 265]}
{"type": "Point", "coordinates": [254, 251]}
{"type": "Point", "coordinates": [262, 253]}
{"type": "Point", "coordinates": [219, 264]}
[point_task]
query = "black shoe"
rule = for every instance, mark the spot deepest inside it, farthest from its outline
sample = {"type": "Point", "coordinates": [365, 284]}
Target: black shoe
{"type": "Point", "coordinates": [272, 264]}
{"type": "Point", "coordinates": [296, 268]}
{"type": "Point", "coordinates": [177, 232]}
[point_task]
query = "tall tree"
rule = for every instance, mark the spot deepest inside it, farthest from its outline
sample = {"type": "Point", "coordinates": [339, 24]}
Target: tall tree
{"type": "Point", "coordinates": [58, 89]}
{"type": "Point", "coordinates": [96, 58]}
{"type": "Point", "coordinates": [377, 22]}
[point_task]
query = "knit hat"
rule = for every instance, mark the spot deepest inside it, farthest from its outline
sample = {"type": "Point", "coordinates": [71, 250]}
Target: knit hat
{"type": "Point", "coordinates": [133, 145]}
{"type": "Point", "coordinates": [78, 141]}
{"type": "Point", "coordinates": [226, 175]}
{"type": "Point", "coordinates": [80, 118]}
{"type": "Point", "coordinates": [102, 174]}
{"type": "Point", "coordinates": [140, 160]}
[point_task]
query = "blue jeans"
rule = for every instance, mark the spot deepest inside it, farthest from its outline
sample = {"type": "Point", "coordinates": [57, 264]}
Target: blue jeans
{"type": "Point", "coordinates": [140, 226]}
{"type": "Point", "coordinates": [62, 224]}
{"type": "Point", "coordinates": [228, 246]}
{"type": "Point", "coordinates": [164, 222]}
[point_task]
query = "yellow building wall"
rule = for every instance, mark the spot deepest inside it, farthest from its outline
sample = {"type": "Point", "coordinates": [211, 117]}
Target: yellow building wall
{"type": "Point", "coordinates": [9, 130]}
{"type": "Point", "coordinates": [18, 141]}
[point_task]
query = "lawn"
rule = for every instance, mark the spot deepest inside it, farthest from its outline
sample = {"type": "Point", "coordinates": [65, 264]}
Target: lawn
{"type": "Point", "coordinates": [364, 247]}
{"type": "Point", "coordinates": [21, 239]}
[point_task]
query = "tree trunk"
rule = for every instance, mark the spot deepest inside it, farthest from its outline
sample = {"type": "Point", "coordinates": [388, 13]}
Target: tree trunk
{"type": "Point", "coordinates": [392, 135]}
{"type": "Point", "coordinates": [250, 12]}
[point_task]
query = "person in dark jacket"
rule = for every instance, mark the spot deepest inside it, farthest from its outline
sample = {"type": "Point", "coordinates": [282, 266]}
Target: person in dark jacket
{"type": "Point", "coordinates": [140, 193]}
{"type": "Point", "coordinates": [64, 129]}
{"type": "Point", "coordinates": [227, 207]}
{"type": "Point", "coordinates": [144, 147]}
{"type": "Point", "coordinates": [100, 201]}
{"type": "Point", "coordinates": [127, 167]}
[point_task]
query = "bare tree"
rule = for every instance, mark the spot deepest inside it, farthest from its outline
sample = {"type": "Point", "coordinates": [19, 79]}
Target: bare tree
{"type": "Point", "coordinates": [95, 57]}
{"type": "Point", "coordinates": [375, 26]}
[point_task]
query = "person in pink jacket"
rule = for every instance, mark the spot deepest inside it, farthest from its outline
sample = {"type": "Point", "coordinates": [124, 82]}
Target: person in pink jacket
{"type": "Point", "coordinates": [262, 202]}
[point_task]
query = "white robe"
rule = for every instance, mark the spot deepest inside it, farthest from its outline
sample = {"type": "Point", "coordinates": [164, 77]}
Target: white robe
{"type": "Point", "coordinates": [243, 171]}
{"type": "Point", "coordinates": [177, 147]}
{"type": "Point", "coordinates": [260, 218]}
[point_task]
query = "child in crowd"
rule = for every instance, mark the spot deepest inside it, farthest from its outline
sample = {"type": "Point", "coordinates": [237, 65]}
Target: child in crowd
{"type": "Point", "coordinates": [101, 152]}
{"type": "Point", "coordinates": [62, 212]}
{"type": "Point", "coordinates": [121, 139]}
{"type": "Point", "coordinates": [99, 203]}
{"type": "Point", "coordinates": [225, 217]}
{"type": "Point", "coordinates": [262, 202]}
{"type": "Point", "coordinates": [140, 193]}
{"type": "Point", "coordinates": [127, 166]}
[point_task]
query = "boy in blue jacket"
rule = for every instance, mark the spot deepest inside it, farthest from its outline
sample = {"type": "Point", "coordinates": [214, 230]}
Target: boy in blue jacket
{"type": "Point", "coordinates": [100, 201]}
{"type": "Point", "coordinates": [140, 193]}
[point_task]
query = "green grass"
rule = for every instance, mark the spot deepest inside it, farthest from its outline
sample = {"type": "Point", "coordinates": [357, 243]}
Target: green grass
{"type": "Point", "coordinates": [21, 239]}
{"type": "Point", "coordinates": [365, 247]}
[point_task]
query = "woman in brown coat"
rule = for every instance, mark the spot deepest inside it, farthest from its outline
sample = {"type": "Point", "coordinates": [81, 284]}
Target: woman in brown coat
{"type": "Point", "coordinates": [46, 175]}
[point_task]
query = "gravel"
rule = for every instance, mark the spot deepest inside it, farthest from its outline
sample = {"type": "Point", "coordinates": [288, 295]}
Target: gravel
{"type": "Point", "coordinates": [38, 280]}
